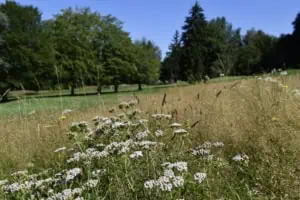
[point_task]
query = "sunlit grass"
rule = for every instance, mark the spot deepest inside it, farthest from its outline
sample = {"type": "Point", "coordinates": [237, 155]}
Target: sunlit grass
{"type": "Point", "coordinates": [253, 126]}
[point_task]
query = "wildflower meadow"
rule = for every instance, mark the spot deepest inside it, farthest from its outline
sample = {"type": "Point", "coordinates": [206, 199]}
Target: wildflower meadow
{"type": "Point", "coordinates": [240, 144]}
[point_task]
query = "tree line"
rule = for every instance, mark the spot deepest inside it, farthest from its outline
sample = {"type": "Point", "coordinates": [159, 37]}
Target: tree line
{"type": "Point", "coordinates": [76, 47]}
{"type": "Point", "coordinates": [213, 48]}
{"type": "Point", "coordinates": [79, 47]}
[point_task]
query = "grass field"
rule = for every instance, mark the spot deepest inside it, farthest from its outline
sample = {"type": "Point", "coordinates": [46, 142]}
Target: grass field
{"type": "Point", "coordinates": [236, 139]}
{"type": "Point", "coordinates": [53, 101]}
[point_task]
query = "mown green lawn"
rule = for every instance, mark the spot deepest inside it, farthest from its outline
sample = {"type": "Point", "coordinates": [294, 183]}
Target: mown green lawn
{"type": "Point", "coordinates": [54, 101]}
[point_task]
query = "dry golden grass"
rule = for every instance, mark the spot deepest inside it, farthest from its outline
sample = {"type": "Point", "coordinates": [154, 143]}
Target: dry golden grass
{"type": "Point", "coordinates": [251, 116]}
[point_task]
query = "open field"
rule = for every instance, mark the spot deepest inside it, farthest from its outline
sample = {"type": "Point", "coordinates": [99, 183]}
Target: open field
{"type": "Point", "coordinates": [242, 142]}
{"type": "Point", "coordinates": [53, 101]}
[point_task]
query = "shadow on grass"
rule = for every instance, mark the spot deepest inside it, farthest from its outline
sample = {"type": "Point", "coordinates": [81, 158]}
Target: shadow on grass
{"type": "Point", "coordinates": [145, 90]}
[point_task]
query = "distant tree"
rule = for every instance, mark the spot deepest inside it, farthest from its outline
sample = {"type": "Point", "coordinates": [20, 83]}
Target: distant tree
{"type": "Point", "coordinates": [193, 62]}
{"type": "Point", "coordinates": [284, 54]}
{"type": "Point", "coordinates": [294, 46]}
{"type": "Point", "coordinates": [4, 85]}
{"type": "Point", "coordinates": [225, 44]}
{"type": "Point", "coordinates": [170, 68]}
{"type": "Point", "coordinates": [257, 54]}
{"type": "Point", "coordinates": [23, 45]}
{"type": "Point", "coordinates": [148, 62]}
{"type": "Point", "coordinates": [75, 31]}
{"type": "Point", "coordinates": [118, 56]}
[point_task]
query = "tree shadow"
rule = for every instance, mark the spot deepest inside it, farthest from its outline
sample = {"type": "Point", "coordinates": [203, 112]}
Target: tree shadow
{"type": "Point", "coordinates": [33, 96]}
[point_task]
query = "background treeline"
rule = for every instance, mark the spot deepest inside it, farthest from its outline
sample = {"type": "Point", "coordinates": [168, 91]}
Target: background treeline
{"type": "Point", "coordinates": [79, 47]}
{"type": "Point", "coordinates": [212, 48]}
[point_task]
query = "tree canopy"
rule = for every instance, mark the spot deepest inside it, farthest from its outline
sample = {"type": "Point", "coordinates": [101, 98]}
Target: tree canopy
{"type": "Point", "coordinates": [78, 47]}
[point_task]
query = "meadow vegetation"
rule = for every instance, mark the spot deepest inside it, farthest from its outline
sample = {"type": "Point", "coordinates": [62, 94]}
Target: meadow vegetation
{"type": "Point", "coordinates": [224, 140]}
{"type": "Point", "coordinates": [89, 113]}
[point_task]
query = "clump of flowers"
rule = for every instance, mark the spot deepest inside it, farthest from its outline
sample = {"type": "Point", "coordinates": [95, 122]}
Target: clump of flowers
{"type": "Point", "coordinates": [136, 154]}
{"type": "Point", "coordinates": [180, 166]}
{"type": "Point", "coordinates": [200, 177]}
{"type": "Point", "coordinates": [240, 157]}
{"type": "Point", "coordinates": [71, 174]}
{"type": "Point", "coordinates": [141, 135]}
{"type": "Point", "coordinates": [175, 125]}
{"type": "Point", "coordinates": [166, 182]}
{"type": "Point", "coordinates": [180, 131]}
{"type": "Point", "coordinates": [159, 133]}
{"type": "Point", "coordinates": [161, 116]}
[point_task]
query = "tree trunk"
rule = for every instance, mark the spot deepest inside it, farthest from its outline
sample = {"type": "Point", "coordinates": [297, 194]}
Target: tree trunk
{"type": "Point", "coordinates": [4, 97]}
{"type": "Point", "coordinates": [72, 90]}
{"type": "Point", "coordinates": [140, 87]}
{"type": "Point", "coordinates": [99, 89]}
{"type": "Point", "coordinates": [116, 88]}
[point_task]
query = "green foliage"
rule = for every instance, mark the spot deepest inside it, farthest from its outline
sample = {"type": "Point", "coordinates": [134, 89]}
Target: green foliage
{"type": "Point", "coordinates": [225, 44]}
{"type": "Point", "coordinates": [194, 59]}
{"type": "Point", "coordinates": [256, 54]}
{"type": "Point", "coordinates": [171, 65]}
{"type": "Point", "coordinates": [24, 47]}
{"type": "Point", "coordinates": [80, 47]}
{"type": "Point", "coordinates": [148, 61]}
{"type": "Point", "coordinates": [3, 63]}
{"type": "Point", "coordinates": [74, 33]}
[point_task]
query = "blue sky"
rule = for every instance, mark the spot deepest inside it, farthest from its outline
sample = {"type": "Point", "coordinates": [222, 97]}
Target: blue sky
{"type": "Point", "coordinates": [158, 19]}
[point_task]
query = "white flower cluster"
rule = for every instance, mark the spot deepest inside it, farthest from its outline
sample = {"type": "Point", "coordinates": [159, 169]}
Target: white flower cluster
{"type": "Point", "coordinates": [296, 92]}
{"type": "Point", "coordinates": [20, 173]}
{"type": "Point", "coordinates": [3, 182]}
{"type": "Point", "coordinates": [270, 79]}
{"type": "Point", "coordinates": [66, 111]}
{"type": "Point", "coordinates": [27, 185]}
{"type": "Point", "coordinates": [143, 134]}
{"type": "Point", "coordinates": [159, 133]}
{"type": "Point", "coordinates": [166, 182]}
{"type": "Point", "coordinates": [200, 177]}
{"type": "Point", "coordinates": [136, 154]}
{"type": "Point", "coordinates": [205, 148]}
{"type": "Point", "coordinates": [91, 184]}
{"type": "Point", "coordinates": [240, 157]}
{"type": "Point", "coordinates": [128, 104]}
{"type": "Point", "coordinates": [180, 131]}
{"type": "Point", "coordinates": [180, 166]}
{"type": "Point", "coordinates": [98, 172]}
{"type": "Point", "coordinates": [67, 194]}
{"type": "Point", "coordinates": [161, 116]}
{"type": "Point", "coordinates": [72, 173]}
{"type": "Point", "coordinates": [175, 125]}
{"type": "Point", "coordinates": [113, 148]}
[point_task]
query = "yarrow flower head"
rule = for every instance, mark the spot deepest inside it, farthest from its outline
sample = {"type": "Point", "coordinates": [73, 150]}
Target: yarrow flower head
{"type": "Point", "coordinates": [175, 125]}
{"type": "Point", "coordinates": [91, 183]}
{"type": "Point", "coordinates": [136, 154]}
{"type": "Point", "coordinates": [20, 173]}
{"type": "Point", "coordinates": [141, 135]}
{"type": "Point", "coordinates": [240, 157]}
{"type": "Point", "coordinates": [180, 166]}
{"type": "Point", "coordinates": [71, 174]}
{"type": "Point", "coordinates": [159, 133]}
{"type": "Point", "coordinates": [66, 111]}
{"type": "Point", "coordinates": [180, 131]}
{"type": "Point", "coordinates": [200, 177]}
{"type": "Point", "coordinates": [60, 150]}
{"type": "Point", "coordinates": [161, 116]}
